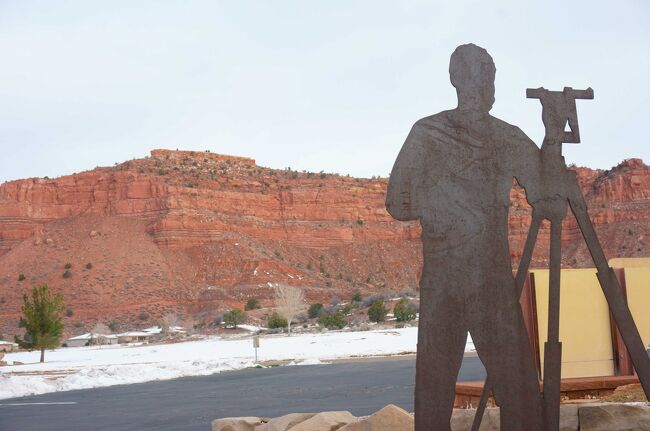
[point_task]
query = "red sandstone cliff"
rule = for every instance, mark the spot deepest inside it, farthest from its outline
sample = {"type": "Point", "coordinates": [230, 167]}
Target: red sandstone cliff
{"type": "Point", "coordinates": [193, 232]}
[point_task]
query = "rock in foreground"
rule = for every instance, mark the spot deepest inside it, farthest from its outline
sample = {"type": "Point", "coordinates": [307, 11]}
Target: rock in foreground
{"type": "Point", "coordinates": [573, 417]}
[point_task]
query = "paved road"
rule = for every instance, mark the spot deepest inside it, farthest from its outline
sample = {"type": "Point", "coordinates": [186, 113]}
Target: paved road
{"type": "Point", "coordinates": [190, 403]}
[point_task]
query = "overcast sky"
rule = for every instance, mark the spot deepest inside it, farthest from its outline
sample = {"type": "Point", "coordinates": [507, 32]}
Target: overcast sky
{"type": "Point", "coordinates": [317, 85]}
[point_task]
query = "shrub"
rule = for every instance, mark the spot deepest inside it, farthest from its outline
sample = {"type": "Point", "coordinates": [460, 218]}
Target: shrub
{"type": "Point", "coordinates": [346, 309]}
{"type": "Point", "coordinates": [357, 297]}
{"type": "Point", "coordinates": [314, 310]}
{"type": "Point", "coordinates": [89, 265]}
{"type": "Point", "coordinates": [68, 266]}
{"type": "Point", "coordinates": [234, 317]}
{"type": "Point", "coordinates": [67, 274]}
{"type": "Point", "coordinates": [377, 311]}
{"type": "Point", "coordinates": [404, 311]}
{"type": "Point", "coordinates": [143, 315]}
{"type": "Point", "coordinates": [276, 320]}
{"type": "Point", "coordinates": [21, 277]}
{"type": "Point", "coordinates": [77, 324]}
{"type": "Point", "coordinates": [334, 320]}
{"type": "Point", "coordinates": [252, 304]}
{"type": "Point", "coordinates": [69, 312]}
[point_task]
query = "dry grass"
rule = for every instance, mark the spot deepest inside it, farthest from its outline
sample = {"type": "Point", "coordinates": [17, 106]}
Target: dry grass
{"type": "Point", "coordinates": [626, 394]}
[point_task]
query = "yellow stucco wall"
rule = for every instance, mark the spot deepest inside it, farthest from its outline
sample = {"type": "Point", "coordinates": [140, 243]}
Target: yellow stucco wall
{"type": "Point", "coordinates": [630, 262]}
{"type": "Point", "coordinates": [637, 282]}
{"type": "Point", "coordinates": [584, 323]}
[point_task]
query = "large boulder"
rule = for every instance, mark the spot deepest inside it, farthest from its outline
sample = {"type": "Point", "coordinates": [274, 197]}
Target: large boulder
{"type": "Point", "coordinates": [390, 418]}
{"type": "Point", "coordinates": [569, 417]}
{"type": "Point", "coordinates": [236, 424]}
{"type": "Point", "coordinates": [283, 423]}
{"type": "Point", "coordinates": [614, 417]}
{"type": "Point", "coordinates": [325, 421]}
{"type": "Point", "coordinates": [462, 419]}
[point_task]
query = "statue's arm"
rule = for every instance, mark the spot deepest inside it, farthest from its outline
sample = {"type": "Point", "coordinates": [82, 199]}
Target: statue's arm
{"type": "Point", "coordinates": [528, 167]}
{"type": "Point", "coordinates": [401, 199]}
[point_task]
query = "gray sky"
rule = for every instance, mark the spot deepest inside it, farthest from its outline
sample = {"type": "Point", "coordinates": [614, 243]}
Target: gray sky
{"type": "Point", "coordinates": [332, 85]}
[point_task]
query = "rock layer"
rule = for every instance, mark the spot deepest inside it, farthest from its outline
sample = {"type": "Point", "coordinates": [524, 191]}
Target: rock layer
{"type": "Point", "coordinates": [195, 232]}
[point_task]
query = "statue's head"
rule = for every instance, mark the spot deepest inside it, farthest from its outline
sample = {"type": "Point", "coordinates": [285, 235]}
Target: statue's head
{"type": "Point", "coordinates": [472, 72]}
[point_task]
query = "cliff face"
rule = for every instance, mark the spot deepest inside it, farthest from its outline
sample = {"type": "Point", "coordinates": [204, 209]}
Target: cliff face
{"type": "Point", "coordinates": [196, 232]}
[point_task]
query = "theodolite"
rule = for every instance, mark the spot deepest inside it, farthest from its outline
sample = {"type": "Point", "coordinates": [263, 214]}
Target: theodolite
{"type": "Point", "coordinates": [561, 188]}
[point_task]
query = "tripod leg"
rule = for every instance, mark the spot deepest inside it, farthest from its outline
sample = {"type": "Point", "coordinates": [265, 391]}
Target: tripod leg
{"type": "Point", "coordinates": [612, 291]}
{"type": "Point", "coordinates": [553, 347]}
{"type": "Point", "coordinates": [527, 254]}
{"type": "Point", "coordinates": [520, 278]}
{"type": "Point", "coordinates": [480, 409]}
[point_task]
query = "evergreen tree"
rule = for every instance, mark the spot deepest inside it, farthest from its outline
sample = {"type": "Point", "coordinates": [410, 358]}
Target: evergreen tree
{"type": "Point", "coordinates": [404, 311]}
{"type": "Point", "coordinates": [42, 320]}
{"type": "Point", "coordinates": [252, 304]}
{"type": "Point", "coordinates": [377, 312]}
{"type": "Point", "coordinates": [333, 320]}
{"type": "Point", "coordinates": [314, 310]}
{"type": "Point", "coordinates": [276, 321]}
{"type": "Point", "coordinates": [234, 317]}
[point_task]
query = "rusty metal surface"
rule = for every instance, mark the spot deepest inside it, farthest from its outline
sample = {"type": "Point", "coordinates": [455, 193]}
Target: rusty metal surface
{"type": "Point", "coordinates": [454, 175]}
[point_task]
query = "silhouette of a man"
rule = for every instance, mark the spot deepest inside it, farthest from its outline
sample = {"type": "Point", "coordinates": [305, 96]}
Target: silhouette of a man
{"type": "Point", "coordinates": [454, 173]}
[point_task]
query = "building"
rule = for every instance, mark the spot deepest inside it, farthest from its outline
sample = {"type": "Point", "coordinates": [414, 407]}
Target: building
{"type": "Point", "coordinates": [91, 339]}
{"type": "Point", "coordinates": [7, 346]}
{"type": "Point", "coordinates": [172, 330]}
{"type": "Point", "coordinates": [134, 337]}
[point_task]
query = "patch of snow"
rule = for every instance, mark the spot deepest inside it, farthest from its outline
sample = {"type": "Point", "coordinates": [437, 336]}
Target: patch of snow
{"type": "Point", "coordinates": [312, 361]}
{"type": "Point", "coordinates": [90, 335]}
{"type": "Point", "coordinates": [251, 328]}
{"type": "Point", "coordinates": [88, 367]}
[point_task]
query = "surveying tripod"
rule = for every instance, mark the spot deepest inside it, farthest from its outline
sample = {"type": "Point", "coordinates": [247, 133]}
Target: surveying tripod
{"type": "Point", "coordinates": [558, 111]}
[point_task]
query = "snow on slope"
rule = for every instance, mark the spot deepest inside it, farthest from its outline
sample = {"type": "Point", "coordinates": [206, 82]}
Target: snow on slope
{"type": "Point", "coordinates": [90, 367]}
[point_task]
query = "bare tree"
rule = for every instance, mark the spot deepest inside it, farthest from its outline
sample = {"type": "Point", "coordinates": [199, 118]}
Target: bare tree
{"type": "Point", "coordinates": [189, 324]}
{"type": "Point", "coordinates": [290, 301]}
{"type": "Point", "coordinates": [168, 322]}
{"type": "Point", "coordinates": [102, 329]}
{"type": "Point", "coordinates": [97, 334]}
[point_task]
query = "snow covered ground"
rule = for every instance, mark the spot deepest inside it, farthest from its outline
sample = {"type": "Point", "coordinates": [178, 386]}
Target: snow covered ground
{"type": "Point", "coordinates": [90, 367]}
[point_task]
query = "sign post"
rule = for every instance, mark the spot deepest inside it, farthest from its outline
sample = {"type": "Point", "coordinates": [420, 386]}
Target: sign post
{"type": "Point", "coordinates": [256, 345]}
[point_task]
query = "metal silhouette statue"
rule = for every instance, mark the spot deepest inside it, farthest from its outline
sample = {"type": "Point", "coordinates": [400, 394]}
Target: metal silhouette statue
{"type": "Point", "coordinates": [454, 174]}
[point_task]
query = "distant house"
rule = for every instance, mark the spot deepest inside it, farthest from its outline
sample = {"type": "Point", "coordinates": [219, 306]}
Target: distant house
{"type": "Point", "coordinates": [155, 330]}
{"type": "Point", "coordinates": [134, 337]}
{"type": "Point", "coordinates": [7, 346]}
{"type": "Point", "coordinates": [91, 338]}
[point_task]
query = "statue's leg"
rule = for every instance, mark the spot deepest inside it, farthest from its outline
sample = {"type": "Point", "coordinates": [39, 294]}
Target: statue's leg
{"type": "Point", "coordinates": [498, 331]}
{"type": "Point", "coordinates": [441, 343]}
